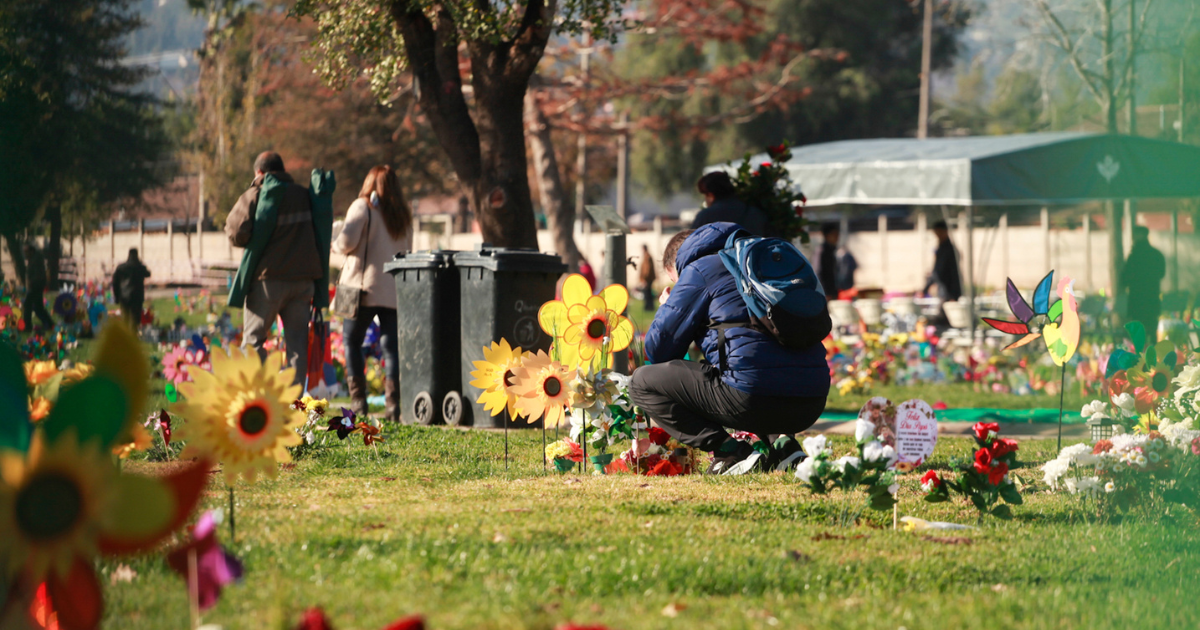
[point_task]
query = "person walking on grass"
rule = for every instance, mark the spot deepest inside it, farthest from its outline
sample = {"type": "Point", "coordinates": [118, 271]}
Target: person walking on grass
{"type": "Point", "coordinates": [273, 221]}
{"type": "Point", "coordinates": [129, 288]}
{"type": "Point", "coordinates": [35, 288]}
{"type": "Point", "coordinates": [377, 227]}
{"type": "Point", "coordinates": [750, 382]}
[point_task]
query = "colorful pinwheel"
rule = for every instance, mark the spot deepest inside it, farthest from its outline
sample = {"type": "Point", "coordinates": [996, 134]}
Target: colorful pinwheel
{"type": "Point", "coordinates": [1057, 324]}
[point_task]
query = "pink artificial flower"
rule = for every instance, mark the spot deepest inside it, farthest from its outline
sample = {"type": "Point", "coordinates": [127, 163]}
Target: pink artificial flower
{"type": "Point", "coordinates": [1196, 446]}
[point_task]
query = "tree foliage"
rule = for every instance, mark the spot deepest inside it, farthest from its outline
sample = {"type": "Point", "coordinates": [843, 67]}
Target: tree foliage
{"type": "Point", "coordinates": [859, 80]}
{"type": "Point", "coordinates": [259, 93]}
{"type": "Point", "coordinates": [75, 132]}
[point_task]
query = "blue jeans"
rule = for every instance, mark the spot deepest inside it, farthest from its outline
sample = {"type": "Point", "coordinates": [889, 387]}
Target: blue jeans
{"type": "Point", "coordinates": [355, 330]}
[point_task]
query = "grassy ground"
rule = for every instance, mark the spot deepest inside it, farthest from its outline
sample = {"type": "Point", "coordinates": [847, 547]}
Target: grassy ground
{"type": "Point", "coordinates": [434, 524]}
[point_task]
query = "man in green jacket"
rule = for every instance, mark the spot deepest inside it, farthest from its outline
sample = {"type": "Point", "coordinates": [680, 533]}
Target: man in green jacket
{"type": "Point", "coordinates": [281, 265]}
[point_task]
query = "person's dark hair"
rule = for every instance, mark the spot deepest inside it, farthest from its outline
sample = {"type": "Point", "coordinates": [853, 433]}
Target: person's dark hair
{"type": "Point", "coordinates": [268, 162]}
{"type": "Point", "coordinates": [1141, 231]}
{"type": "Point", "coordinates": [133, 253]}
{"type": "Point", "coordinates": [716, 183]}
{"type": "Point", "coordinates": [831, 227]}
{"type": "Point", "coordinates": [940, 225]}
{"type": "Point", "coordinates": [397, 215]}
{"type": "Point", "coordinates": [672, 248]}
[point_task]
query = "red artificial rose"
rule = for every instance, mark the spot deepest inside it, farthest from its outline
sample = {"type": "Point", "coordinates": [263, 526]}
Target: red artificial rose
{"type": "Point", "coordinates": [664, 468]}
{"type": "Point", "coordinates": [314, 619]}
{"type": "Point", "coordinates": [983, 461]}
{"type": "Point", "coordinates": [932, 476]}
{"type": "Point", "coordinates": [983, 428]}
{"type": "Point", "coordinates": [658, 436]}
{"type": "Point", "coordinates": [996, 475]}
{"type": "Point", "coordinates": [1004, 446]}
{"type": "Point", "coordinates": [777, 150]}
{"type": "Point", "coordinates": [414, 622]}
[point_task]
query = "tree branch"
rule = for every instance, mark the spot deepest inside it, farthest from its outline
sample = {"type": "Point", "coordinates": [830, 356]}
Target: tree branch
{"type": "Point", "coordinates": [1068, 46]}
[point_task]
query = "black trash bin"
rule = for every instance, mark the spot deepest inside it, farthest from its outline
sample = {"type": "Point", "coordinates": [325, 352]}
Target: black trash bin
{"type": "Point", "coordinates": [502, 290]}
{"type": "Point", "coordinates": [427, 318]}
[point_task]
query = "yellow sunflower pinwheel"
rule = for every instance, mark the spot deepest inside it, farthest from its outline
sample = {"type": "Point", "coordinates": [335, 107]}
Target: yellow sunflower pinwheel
{"type": "Point", "coordinates": [543, 389]}
{"type": "Point", "coordinates": [241, 414]}
{"type": "Point", "coordinates": [587, 328]}
{"type": "Point", "coordinates": [495, 375]}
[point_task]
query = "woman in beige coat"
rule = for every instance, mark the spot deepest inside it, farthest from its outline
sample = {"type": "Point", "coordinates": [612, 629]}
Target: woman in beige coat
{"type": "Point", "coordinates": [377, 227]}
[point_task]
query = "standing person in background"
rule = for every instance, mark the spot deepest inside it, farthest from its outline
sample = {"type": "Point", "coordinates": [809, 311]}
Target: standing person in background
{"type": "Point", "coordinates": [585, 270]}
{"type": "Point", "coordinates": [35, 288]}
{"type": "Point", "coordinates": [646, 277]}
{"type": "Point", "coordinates": [1141, 283]}
{"type": "Point", "coordinates": [377, 227]}
{"type": "Point", "coordinates": [273, 221]}
{"type": "Point", "coordinates": [847, 265]}
{"type": "Point", "coordinates": [722, 204]}
{"type": "Point", "coordinates": [129, 288]}
{"type": "Point", "coordinates": [945, 270]}
{"type": "Point", "coordinates": [827, 262]}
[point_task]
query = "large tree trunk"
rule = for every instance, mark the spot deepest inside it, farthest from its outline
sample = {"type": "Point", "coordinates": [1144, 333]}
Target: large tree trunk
{"type": "Point", "coordinates": [487, 151]}
{"type": "Point", "coordinates": [13, 241]}
{"type": "Point", "coordinates": [559, 214]}
{"type": "Point", "coordinates": [53, 249]}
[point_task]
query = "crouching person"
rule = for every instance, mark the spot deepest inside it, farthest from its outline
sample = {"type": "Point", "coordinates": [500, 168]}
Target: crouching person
{"type": "Point", "coordinates": [750, 380]}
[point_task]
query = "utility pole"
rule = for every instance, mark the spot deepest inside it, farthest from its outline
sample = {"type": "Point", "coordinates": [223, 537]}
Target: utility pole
{"type": "Point", "coordinates": [1132, 79]}
{"type": "Point", "coordinates": [926, 68]}
{"type": "Point", "coordinates": [623, 166]}
{"type": "Point", "coordinates": [1182, 56]}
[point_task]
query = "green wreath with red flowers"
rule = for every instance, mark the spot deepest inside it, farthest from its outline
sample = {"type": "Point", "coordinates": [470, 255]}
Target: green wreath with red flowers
{"type": "Point", "coordinates": [769, 187]}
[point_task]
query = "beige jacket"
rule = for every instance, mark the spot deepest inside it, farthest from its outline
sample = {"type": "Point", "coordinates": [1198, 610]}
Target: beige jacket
{"type": "Point", "coordinates": [378, 245]}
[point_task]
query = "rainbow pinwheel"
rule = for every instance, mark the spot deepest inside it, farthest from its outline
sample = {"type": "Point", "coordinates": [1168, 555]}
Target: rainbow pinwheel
{"type": "Point", "coordinates": [1057, 324]}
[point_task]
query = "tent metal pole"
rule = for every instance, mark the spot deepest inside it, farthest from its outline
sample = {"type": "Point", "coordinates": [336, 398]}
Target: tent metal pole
{"type": "Point", "coordinates": [970, 275]}
{"type": "Point", "coordinates": [1175, 249]}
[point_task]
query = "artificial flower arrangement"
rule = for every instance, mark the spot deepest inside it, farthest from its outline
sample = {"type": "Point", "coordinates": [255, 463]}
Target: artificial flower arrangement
{"type": "Point", "coordinates": [769, 186]}
{"type": "Point", "coordinates": [319, 427]}
{"type": "Point", "coordinates": [873, 469]}
{"type": "Point", "coordinates": [1153, 458]}
{"type": "Point", "coordinates": [657, 455]}
{"type": "Point", "coordinates": [982, 478]}
{"type": "Point", "coordinates": [565, 453]}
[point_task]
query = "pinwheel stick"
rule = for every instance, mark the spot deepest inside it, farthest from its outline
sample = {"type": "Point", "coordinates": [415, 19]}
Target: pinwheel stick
{"type": "Point", "coordinates": [232, 526]}
{"type": "Point", "coordinates": [505, 439]}
{"type": "Point", "coordinates": [544, 462]}
{"type": "Point", "coordinates": [1062, 390]}
{"type": "Point", "coordinates": [194, 588]}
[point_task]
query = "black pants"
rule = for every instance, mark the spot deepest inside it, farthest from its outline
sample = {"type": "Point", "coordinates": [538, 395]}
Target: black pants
{"type": "Point", "coordinates": [36, 305]}
{"type": "Point", "coordinates": [690, 402]}
{"type": "Point", "coordinates": [355, 330]}
{"type": "Point", "coordinates": [132, 311]}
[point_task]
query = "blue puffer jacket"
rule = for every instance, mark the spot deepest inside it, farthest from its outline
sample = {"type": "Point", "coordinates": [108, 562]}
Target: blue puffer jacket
{"type": "Point", "coordinates": [756, 363]}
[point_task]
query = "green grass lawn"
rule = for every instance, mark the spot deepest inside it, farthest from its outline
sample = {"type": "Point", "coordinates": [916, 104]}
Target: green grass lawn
{"type": "Point", "coordinates": [434, 524]}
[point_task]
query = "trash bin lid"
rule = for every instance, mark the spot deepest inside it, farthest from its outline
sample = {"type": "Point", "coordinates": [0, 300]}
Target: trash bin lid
{"type": "Point", "coordinates": [515, 260]}
{"type": "Point", "coordinates": [420, 260]}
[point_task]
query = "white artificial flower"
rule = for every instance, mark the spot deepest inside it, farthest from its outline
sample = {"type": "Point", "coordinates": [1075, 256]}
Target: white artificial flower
{"type": "Point", "coordinates": [806, 469]}
{"type": "Point", "coordinates": [1187, 381]}
{"type": "Point", "coordinates": [864, 430]}
{"type": "Point", "coordinates": [1074, 452]}
{"type": "Point", "coordinates": [310, 438]}
{"type": "Point", "coordinates": [1094, 408]}
{"type": "Point", "coordinates": [875, 451]}
{"type": "Point", "coordinates": [847, 461]}
{"type": "Point", "coordinates": [814, 446]}
{"type": "Point", "coordinates": [1054, 470]}
{"type": "Point", "coordinates": [1071, 484]}
{"type": "Point", "coordinates": [1110, 487]}
{"type": "Point", "coordinates": [578, 419]}
{"type": "Point", "coordinates": [894, 488]}
{"type": "Point", "coordinates": [1126, 403]}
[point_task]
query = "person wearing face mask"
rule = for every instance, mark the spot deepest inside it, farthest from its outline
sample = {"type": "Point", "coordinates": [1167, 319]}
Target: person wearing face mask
{"type": "Point", "coordinates": [378, 225]}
